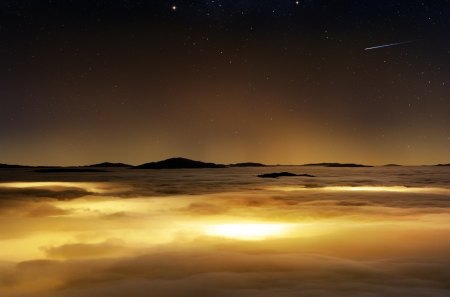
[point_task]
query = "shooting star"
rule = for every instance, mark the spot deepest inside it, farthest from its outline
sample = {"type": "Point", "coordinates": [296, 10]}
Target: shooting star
{"type": "Point", "coordinates": [387, 45]}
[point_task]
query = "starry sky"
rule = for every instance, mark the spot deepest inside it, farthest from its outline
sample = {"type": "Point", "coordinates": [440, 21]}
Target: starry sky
{"type": "Point", "coordinates": [280, 82]}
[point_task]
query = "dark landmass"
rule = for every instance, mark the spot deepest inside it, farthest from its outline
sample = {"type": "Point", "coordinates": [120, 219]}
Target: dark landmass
{"type": "Point", "coordinates": [178, 163]}
{"type": "Point", "coordinates": [248, 164]}
{"type": "Point", "coordinates": [13, 166]}
{"type": "Point", "coordinates": [67, 170]}
{"type": "Point", "coordinates": [109, 165]}
{"type": "Point", "coordinates": [282, 174]}
{"type": "Point", "coordinates": [337, 165]}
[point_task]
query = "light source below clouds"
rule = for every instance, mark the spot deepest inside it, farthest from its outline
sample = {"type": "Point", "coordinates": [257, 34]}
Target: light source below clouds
{"type": "Point", "coordinates": [248, 231]}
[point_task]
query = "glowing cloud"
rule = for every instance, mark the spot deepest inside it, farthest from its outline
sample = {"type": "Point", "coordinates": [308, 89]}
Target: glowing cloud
{"type": "Point", "coordinates": [91, 187]}
{"type": "Point", "coordinates": [247, 231]}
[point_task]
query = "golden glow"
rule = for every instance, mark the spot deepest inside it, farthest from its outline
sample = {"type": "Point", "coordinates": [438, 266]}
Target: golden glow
{"type": "Point", "coordinates": [99, 188]}
{"type": "Point", "coordinates": [32, 227]}
{"type": "Point", "coordinates": [281, 228]}
{"type": "Point", "coordinates": [44, 184]}
{"type": "Point", "coordinates": [247, 231]}
{"type": "Point", "coordinates": [398, 189]}
{"type": "Point", "coordinates": [372, 189]}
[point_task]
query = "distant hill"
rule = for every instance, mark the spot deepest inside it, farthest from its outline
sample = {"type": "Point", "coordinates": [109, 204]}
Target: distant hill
{"type": "Point", "coordinates": [13, 166]}
{"type": "Point", "coordinates": [392, 165]}
{"type": "Point", "coordinates": [337, 165]}
{"type": "Point", "coordinates": [109, 165]}
{"type": "Point", "coordinates": [178, 163]}
{"type": "Point", "coordinates": [68, 170]}
{"type": "Point", "coordinates": [282, 174]}
{"type": "Point", "coordinates": [247, 164]}
{"type": "Point", "coordinates": [443, 164]}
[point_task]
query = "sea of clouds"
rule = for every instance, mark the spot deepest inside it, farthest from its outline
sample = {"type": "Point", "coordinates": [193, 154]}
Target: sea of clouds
{"type": "Point", "coordinates": [355, 232]}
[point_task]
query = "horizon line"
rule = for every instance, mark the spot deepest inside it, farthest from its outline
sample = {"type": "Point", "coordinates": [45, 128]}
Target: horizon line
{"type": "Point", "coordinates": [232, 163]}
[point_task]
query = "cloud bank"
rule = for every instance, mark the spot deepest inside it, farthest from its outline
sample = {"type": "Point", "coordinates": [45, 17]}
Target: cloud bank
{"type": "Point", "coordinates": [130, 236]}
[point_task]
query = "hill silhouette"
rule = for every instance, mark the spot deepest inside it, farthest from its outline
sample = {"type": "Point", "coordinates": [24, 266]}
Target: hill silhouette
{"type": "Point", "coordinates": [67, 170]}
{"type": "Point", "coordinates": [282, 174]}
{"type": "Point", "coordinates": [247, 164]}
{"type": "Point", "coordinates": [178, 163]}
{"type": "Point", "coordinates": [109, 165]}
{"type": "Point", "coordinates": [13, 166]}
{"type": "Point", "coordinates": [337, 165]}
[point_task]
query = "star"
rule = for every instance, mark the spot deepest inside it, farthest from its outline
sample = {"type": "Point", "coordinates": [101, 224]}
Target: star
{"type": "Point", "coordinates": [174, 7]}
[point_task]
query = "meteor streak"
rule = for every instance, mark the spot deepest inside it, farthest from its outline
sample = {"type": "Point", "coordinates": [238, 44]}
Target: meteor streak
{"type": "Point", "coordinates": [387, 45]}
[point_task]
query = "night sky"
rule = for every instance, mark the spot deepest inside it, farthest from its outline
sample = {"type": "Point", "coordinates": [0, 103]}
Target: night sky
{"type": "Point", "coordinates": [282, 82]}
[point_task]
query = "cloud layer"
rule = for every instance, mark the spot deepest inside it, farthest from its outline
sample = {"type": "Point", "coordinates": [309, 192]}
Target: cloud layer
{"type": "Point", "coordinates": [351, 233]}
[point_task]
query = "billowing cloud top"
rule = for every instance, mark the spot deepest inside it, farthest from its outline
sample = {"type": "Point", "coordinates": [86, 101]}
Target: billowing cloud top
{"type": "Point", "coordinates": [348, 232]}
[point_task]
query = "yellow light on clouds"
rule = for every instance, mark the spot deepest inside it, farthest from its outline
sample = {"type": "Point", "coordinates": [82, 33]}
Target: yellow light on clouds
{"type": "Point", "coordinates": [398, 189]}
{"type": "Point", "coordinates": [371, 189]}
{"type": "Point", "coordinates": [247, 231]}
{"type": "Point", "coordinates": [100, 187]}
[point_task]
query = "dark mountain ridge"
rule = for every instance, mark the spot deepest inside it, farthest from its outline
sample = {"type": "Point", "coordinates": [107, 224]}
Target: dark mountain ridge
{"type": "Point", "coordinates": [248, 164]}
{"type": "Point", "coordinates": [337, 165]}
{"type": "Point", "coordinates": [178, 163]}
{"type": "Point", "coordinates": [109, 165]}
